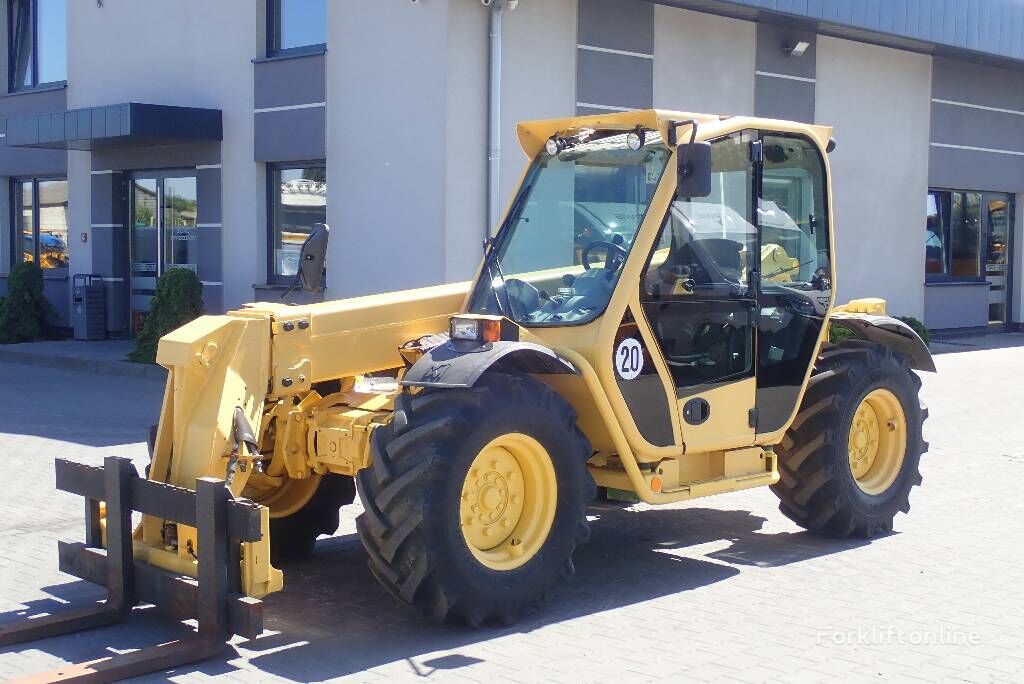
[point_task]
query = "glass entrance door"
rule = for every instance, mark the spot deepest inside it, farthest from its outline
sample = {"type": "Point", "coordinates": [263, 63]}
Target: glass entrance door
{"type": "Point", "coordinates": [998, 209]}
{"type": "Point", "coordinates": [164, 233]}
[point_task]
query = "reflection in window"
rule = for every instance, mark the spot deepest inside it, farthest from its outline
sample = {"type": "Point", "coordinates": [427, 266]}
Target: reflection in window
{"type": "Point", "coordinates": [298, 24]}
{"type": "Point", "coordinates": [706, 243]}
{"type": "Point", "coordinates": [953, 233]}
{"type": "Point", "coordinates": [935, 233]}
{"type": "Point", "coordinates": [37, 36]}
{"type": "Point", "coordinates": [299, 202]}
{"type": "Point", "coordinates": [42, 222]}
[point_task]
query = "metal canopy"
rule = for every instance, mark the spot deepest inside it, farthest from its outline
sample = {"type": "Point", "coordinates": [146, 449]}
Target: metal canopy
{"type": "Point", "coordinates": [129, 124]}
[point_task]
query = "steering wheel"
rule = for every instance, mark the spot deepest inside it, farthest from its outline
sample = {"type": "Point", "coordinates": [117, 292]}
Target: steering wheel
{"type": "Point", "coordinates": [611, 262]}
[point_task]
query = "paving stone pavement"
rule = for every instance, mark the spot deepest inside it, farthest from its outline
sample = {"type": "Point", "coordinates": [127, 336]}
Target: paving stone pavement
{"type": "Point", "coordinates": [722, 588]}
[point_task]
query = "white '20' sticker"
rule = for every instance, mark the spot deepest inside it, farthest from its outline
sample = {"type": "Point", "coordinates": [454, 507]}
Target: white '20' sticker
{"type": "Point", "coordinates": [629, 359]}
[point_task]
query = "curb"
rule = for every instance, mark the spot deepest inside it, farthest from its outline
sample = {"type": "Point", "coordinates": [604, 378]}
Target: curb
{"type": "Point", "coordinates": [73, 363]}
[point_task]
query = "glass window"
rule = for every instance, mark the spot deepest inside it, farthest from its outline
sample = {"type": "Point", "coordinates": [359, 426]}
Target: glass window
{"type": "Point", "coordinates": [299, 202]}
{"type": "Point", "coordinates": [21, 43]}
{"type": "Point", "coordinates": [26, 223]}
{"type": "Point", "coordinates": [965, 234]}
{"type": "Point", "coordinates": [42, 222]}
{"type": "Point", "coordinates": [570, 230]}
{"type": "Point", "coordinates": [38, 42]}
{"type": "Point", "coordinates": [706, 242]}
{"type": "Point", "coordinates": [52, 40]}
{"type": "Point", "coordinates": [793, 216]}
{"type": "Point", "coordinates": [935, 233]}
{"type": "Point", "coordinates": [698, 275]}
{"type": "Point", "coordinates": [953, 234]}
{"type": "Point", "coordinates": [180, 229]}
{"type": "Point", "coordinates": [298, 24]}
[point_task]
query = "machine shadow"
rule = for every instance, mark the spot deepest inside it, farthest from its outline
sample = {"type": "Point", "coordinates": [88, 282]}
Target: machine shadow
{"type": "Point", "coordinates": [334, 620]}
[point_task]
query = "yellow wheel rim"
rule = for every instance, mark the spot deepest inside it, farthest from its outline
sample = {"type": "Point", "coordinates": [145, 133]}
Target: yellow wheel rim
{"type": "Point", "coordinates": [508, 501]}
{"type": "Point", "coordinates": [284, 496]}
{"type": "Point", "coordinates": [878, 441]}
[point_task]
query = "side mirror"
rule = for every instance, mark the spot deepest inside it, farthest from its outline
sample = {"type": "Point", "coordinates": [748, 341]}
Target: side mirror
{"type": "Point", "coordinates": [694, 169]}
{"type": "Point", "coordinates": [312, 258]}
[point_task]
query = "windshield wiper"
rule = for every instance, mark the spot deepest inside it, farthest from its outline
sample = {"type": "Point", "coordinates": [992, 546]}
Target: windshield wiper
{"type": "Point", "coordinates": [787, 269]}
{"type": "Point", "coordinates": [491, 256]}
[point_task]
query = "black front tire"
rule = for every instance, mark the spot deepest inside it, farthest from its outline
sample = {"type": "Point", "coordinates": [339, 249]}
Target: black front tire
{"type": "Point", "coordinates": [817, 488]}
{"type": "Point", "coordinates": [412, 492]}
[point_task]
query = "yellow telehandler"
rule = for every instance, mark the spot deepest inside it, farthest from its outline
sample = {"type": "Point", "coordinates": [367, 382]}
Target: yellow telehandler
{"type": "Point", "coordinates": [651, 319]}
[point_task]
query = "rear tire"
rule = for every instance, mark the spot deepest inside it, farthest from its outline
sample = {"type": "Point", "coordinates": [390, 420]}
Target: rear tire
{"type": "Point", "coordinates": [422, 541]}
{"type": "Point", "coordinates": [292, 537]}
{"type": "Point", "coordinates": [823, 489]}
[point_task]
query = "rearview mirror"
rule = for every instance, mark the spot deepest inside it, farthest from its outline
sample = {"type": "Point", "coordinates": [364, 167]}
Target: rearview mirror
{"type": "Point", "coordinates": [312, 258]}
{"type": "Point", "coordinates": [693, 170]}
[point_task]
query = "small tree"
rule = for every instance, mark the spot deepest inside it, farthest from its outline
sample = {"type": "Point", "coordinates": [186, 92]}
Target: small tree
{"type": "Point", "coordinates": [177, 301]}
{"type": "Point", "coordinates": [25, 310]}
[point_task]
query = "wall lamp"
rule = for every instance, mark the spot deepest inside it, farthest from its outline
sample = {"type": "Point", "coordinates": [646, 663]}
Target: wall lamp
{"type": "Point", "coordinates": [797, 50]}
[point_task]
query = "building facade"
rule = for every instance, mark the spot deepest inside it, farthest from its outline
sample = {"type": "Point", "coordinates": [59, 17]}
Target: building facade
{"type": "Point", "coordinates": [143, 135]}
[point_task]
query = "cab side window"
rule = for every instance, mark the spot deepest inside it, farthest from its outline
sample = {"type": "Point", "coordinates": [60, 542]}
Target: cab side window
{"type": "Point", "coordinates": [696, 286]}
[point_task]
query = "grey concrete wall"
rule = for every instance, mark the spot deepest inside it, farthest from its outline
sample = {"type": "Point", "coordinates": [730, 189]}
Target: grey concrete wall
{"type": "Point", "coordinates": [290, 98]}
{"type": "Point", "coordinates": [407, 205]}
{"type": "Point", "coordinates": [703, 63]}
{"type": "Point", "coordinates": [615, 58]}
{"type": "Point", "coordinates": [879, 169]}
{"type": "Point", "coordinates": [538, 77]}
{"type": "Point", "coordinates": [21, 161]}
{"type": "Point", "coordinates": [784, 84]}
{"type": "Point", "coordinates": [198, 55]}
{"type": "Point", "coordinates": [956, 305]}
{"type": "Point", "coordinates": [386, 147]}
{"type": "Point", "coordinates": [977, 121]}
{"type": "Point", "coordinates": [466, 149]}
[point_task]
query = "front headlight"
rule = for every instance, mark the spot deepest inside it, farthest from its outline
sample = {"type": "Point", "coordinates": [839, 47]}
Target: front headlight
{"type": "Point", "coordinates": [465, 329]}
{"type": "Point", "coordinates": [475, 329]}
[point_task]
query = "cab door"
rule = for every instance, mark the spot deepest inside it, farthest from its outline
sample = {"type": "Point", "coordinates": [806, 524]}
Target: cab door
{"type": "Point", "coordinates": [698, 294]}
{"type": "Point", "coordinates": [795, 285]}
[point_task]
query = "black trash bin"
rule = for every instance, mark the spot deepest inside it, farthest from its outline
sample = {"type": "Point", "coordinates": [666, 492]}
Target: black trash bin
{"type": "Point", "coordinates": [88, 308]}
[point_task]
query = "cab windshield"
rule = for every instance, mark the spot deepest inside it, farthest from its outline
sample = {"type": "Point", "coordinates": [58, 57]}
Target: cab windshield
{"type": "Point", "coordinates": [557, 258]}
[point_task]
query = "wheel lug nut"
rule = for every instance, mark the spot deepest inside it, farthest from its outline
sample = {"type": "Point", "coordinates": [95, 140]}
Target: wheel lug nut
{"type": "Point", "coordinates": [487, 531]}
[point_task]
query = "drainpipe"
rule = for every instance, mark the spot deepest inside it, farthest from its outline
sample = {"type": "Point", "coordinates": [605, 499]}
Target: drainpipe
{"type": "Point", "coordinates": [494, 124]}
{"type": "Point", "coordinates": [494, 111]}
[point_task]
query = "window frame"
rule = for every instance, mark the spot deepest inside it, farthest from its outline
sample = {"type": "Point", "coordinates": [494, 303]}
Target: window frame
{"type": "Point", "coordinates": [274, 48]}
{"type": "Point", "coordinates": [17, 253]}
{"type": "Point", "coordinates": [947, 238]}
{"type": "Point", "coordinates": [273, 195]}
{"type": "Point", "coordinates": [13, 87]}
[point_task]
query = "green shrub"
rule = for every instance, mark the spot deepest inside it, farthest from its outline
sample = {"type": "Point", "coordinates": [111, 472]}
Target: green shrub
{"type": "Point", "coordinates": [25, 310]}
{"type": "Point", "coordinates": [918, 327]}
{"type": "Point", "coordinates": [177, 301]}
{"type": "Point", "coordinates": [838, 332]}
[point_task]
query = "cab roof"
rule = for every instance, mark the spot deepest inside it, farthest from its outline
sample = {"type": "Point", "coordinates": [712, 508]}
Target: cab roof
{"type": "Point", "coordinates": [533, 134]}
